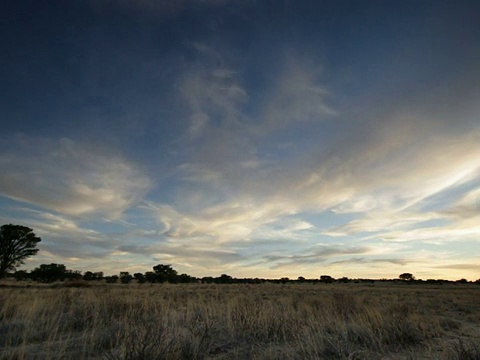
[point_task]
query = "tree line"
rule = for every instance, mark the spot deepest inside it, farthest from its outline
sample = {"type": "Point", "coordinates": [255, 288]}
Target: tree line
{"type": "Point", "coordinates": [19, 242]}
{"type": "Point", "coordinates": [48, 273]}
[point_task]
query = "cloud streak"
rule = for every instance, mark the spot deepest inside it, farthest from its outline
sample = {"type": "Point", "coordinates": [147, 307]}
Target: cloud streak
{"type": "Point", "coordinates": [69, 178]}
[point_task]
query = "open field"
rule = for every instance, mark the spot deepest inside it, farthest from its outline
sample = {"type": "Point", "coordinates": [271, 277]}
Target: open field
{"type": "Point", "coordinates": [265, 321]}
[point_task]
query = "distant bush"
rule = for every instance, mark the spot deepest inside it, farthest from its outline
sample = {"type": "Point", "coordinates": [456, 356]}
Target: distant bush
{"type": "Point", "coordinates": [327, 279]}
{"type": "Point", "coordinates": [111, 279]}
{"type": "Point", "coordinates": [125, 277]}
{"type": "Point", "coordinates": [140, 278]}
{"type": "Point", "coordinates": [47, 273]}
{"type": "Point", "coordinates": [406, 277]}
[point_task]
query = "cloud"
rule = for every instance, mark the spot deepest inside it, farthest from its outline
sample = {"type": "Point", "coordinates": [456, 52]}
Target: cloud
{"type": "Point", "coordinates": [370, 261]}
{"type": "Point", "coordinates": [467, 208]}
{"type": "Point", "coordinates": [68, 177]}
{"type": "Point", "coordinates": [317, 255]}
{"type": "Point", "coordinates": [383, 176]}
{"type": "Point", "coordinates": [256, 162]}
{"type": "Point", "coordinates": [379, 221]}
{"type": "Point", "coordinates": [393, 162]}
{"type": "Point", "coordinates": [212, 91]}
{"type": "Point", "coordinates": [226, 222]}
{"type": "Point", "coordinates": [456, 232]}
{"type": "Point", "coordinates": [296, 96]}
{"type": "Point", "coordinates": [460, 266]}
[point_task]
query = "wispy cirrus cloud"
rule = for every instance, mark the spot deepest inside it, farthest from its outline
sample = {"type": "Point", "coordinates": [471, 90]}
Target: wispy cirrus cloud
{"type": "Point", "coordinates": [212, 91]}
{"type": "Point", "coordinates": [226, 222]}
{"type": "Point", "coordinates": [67, 177]}
{"type": "Point", "coordinates": [296, 95]}
{"type": "Point", "coordinates": [373, 222]}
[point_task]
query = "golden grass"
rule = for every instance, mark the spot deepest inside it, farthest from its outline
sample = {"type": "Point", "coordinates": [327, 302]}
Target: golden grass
{"type": "Point", "coordinates": [267, 321]}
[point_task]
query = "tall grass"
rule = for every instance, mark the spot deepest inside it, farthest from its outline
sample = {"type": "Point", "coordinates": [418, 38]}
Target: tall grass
{"type": "Point", "coordinates": [268, 321]}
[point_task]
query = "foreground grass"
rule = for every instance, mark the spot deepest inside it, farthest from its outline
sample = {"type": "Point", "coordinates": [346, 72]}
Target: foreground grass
{"type": "Point", "coordinates": [268, 321]}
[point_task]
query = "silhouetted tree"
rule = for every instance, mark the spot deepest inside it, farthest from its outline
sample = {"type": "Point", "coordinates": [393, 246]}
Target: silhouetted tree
{"type": "Point", "coordinates": [165, 273]}
{"type": "Point", "coordinates": [88, 276]}
{"type": "Point", "coordinates": [21, 275]}
{"type": "Point", "coordinates": [73, 275]}
{"type": "Point", "coordinates": [125, 277]}
{"type": "Point", "coordinates": [184, 279]}
{"type": "Point", "coordinates": [406, 277]}
{"type": "Point", "coordinates": [140, 278]}
{"type": "Point", "coordinates": [224, 279]}
{"type": "Point", "coordinates": [327, 279]}
{"type": "Point", "coordinates": [207, 280]}
{"type": "Point", "coordinates": [49, 273]}
{"type": "Point", "coordinates": [151, 277]}
{"type": "Point", "coordinates": [111, 279]}
{"type": "Point", "coordinates": [301, 279]}
{"type": "Point", "coordinates": [17, 243]}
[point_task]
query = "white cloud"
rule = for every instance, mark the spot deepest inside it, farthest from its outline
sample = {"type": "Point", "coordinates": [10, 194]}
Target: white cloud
{"type": "Point", "coordinates": [69, 178]}
{"type": "Point", "coordinates": [380, 221]}
{"type": "Point", "coordinates": [226, 222]}
{"type": "Point", "coordinates": [456, 232]}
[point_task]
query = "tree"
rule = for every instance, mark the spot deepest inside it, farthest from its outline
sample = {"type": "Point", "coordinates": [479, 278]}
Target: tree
{"type": "Point", "coordinates": [17, 243]}
{"type": "Point", "coordinates": [327, 279]}
{"type": "Point", "coordinates": [98, 275]}
{"type": "Point", "coordinates": [185, 279]}
{"type": "Point", "coordinates": [88, 276]}
{"type": "Point", "coordinates": [406, 276]}
{"type": "Point", "coordinates": [207, 280]}
{"type": "Point", "coordinates": [21, 275]}
{"type": "Point", "coordinates": [73, 274]}
{"type": "Point", "coordinates": [125, 277]}
{"type": "Point", "coordinates": [111, 279]}
{"type": "Point", "coordinates": [140, 278]}
{"type": "Point", "coordinates": [151, 277]}
{"type": "Point", "coordinates": [49, 273]}
{"type": "Point", "coordinates": [165, 273]}
{"type": "Point", "coordinates": [224, 279]}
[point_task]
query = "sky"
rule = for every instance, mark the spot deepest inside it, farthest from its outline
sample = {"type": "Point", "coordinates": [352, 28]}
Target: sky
{"type": "Point", "coordinates": [256, 138]}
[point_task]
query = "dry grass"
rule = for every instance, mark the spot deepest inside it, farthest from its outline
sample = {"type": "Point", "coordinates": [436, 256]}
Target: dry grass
{"type": "Point", "coordinates": [293, 321]}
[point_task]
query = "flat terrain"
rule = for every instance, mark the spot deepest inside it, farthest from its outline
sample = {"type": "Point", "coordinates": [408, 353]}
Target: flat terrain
{"type": "Point", "coordinates": [265, 321]}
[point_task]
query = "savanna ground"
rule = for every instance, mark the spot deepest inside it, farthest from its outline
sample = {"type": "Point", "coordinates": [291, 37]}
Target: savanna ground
{"type": "Point", "coordinates": [264, 321]}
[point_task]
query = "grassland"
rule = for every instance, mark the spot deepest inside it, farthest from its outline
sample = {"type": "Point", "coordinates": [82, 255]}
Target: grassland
{"type": "Point", "coordinates": [265, 321]}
